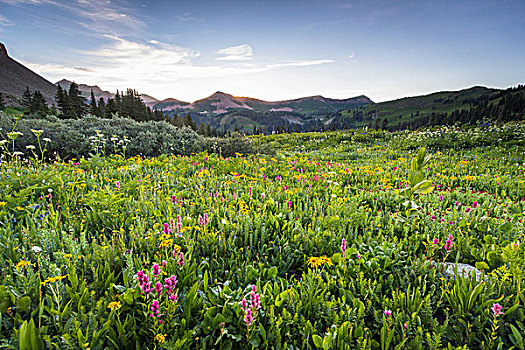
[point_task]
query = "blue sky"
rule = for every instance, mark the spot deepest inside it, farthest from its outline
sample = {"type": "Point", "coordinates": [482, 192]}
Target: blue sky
{"type": "Point", "coordinates": [270, 49]}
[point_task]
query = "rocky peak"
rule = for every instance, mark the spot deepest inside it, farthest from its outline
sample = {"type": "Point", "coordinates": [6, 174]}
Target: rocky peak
{"type": "Point", "coordinates": [3, 50]}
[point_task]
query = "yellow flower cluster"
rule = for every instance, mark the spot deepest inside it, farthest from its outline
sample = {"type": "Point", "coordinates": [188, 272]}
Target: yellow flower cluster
{"type": "Point", "coordinates": [114, 305]}
{"type": "Point", "coordinates": [22, 264]}
{"type": "Point", "coordinates": [315, 262]}
{"type": "Point", "coordinates": [160, 338]}
{"type": "Point", "coordinates": [53, 279]}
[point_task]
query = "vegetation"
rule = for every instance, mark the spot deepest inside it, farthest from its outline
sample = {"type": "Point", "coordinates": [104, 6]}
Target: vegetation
{"type": "Point", "coordinates": [311, 248]}
{"type": "Point", "coordinates": [465, 107]}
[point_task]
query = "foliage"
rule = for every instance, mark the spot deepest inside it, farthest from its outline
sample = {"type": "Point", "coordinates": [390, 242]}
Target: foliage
{"type": "Point", "coordinates": [246, 251]}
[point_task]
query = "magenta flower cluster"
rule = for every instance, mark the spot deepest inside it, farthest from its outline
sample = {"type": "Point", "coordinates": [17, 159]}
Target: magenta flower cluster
{"type": "Point", "coordinates": [168, 288]}
{"type": "Point", "coordinates": [253, 306]}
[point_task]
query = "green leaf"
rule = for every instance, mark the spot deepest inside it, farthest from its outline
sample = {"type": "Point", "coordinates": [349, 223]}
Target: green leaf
{"type": "Point", "coordinates": [327, 342]}
{"type": "Point", "coordinates": [217, 320]}
{"type": "Point", "coordinates": [255, 341]}
{"type": "Point", "coordinates": [273, 272]}
{"type": "Point", "coordinates": [23, 304]}
{"type": "Point", "coordinates": [318, 341]}
{"type": "Point", "coordinates": [481, 265]}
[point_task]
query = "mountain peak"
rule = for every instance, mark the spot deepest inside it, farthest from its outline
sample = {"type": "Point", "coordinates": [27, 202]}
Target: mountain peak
{"type": "Point", "coordinates": [3, 50]}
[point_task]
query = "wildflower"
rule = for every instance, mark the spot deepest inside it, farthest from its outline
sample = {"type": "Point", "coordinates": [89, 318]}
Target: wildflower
{"type": "Point", "coordinates": [448, 243]}
{"type": "Point", "coordinates": [475, 204]}
{"type": "Point", "coordinates": [144, 282]}
{"type": "Point", "coordinates": [435, 241]}
{"type": "Point", "coordinates": [201, 221]}
{"type": "Point", "coordinates": [315, 262]}
{"type": "Point", "coordinates": [156, 269]}
{"type": "Point", "coordinates": [205, 219]}
{"type": "Point", "coordinates": [496, 309]}
{"type": "Point", "coordinates": [174, 199]}
{"type": "Point", "coordinates": [166, 229]}
{"type": "Point", "coordinates": [180, 261]}
{"type": "Point", "coordinates": [358, 256]}
{"type": "Point", "coordinates": [250, 191]}
{"type": "Point", "coordinates": [456, 204]}
{"type": "Point", "coordinates": [53, 279]}
{"type": "Point", "coordinates": [68, 256]}
{"type": "Point", "coordinates": [158, 288]}
{"type": "Point", "coordinates": [388, 313]}
{"type": "Point", "coordinates": [248, 318]}
{"type": "Point", "coordinates": [117, 184]}
{"type": "Point", "coordinates": [255, 301]}
{"type": "Point", "coordinates": [160, 338]}
{"type": "Point", "coordinates": [467, 210]}
{"type": "Point", "coordinates": [169, 285]}
{"type": "Point", "coordinates": [343, 246]}
{"type": "Point", "coordinates": [114, 305]}
{"type": "Point", "coordinates": [164, 263]}
{"type": "Point", "coordinates": [155, 309]}
{"type": "Point", "coordinates": [22, 264]}
{"type": "Point", "coordinates": [244, 304]}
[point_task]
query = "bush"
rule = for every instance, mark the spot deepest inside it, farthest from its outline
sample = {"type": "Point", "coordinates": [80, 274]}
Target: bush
{"type": "Point", "coordinates": [75, 138]}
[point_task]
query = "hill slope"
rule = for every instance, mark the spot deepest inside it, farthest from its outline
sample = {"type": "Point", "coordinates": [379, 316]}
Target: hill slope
{"type": "Point", "coordinates": [15, 77]}
{"type": "Point", "coordinates": [220, 102]}
{"type": "Point", "coordinates": [444, 107]}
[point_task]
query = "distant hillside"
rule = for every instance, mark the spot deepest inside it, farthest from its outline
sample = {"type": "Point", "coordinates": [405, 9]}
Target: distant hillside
{"type": "Point", "coordinates": [15, 77]}
{"type": "Point", "coordinates": [446, 107]}
{"type": "Point", "coordinates": [98, 92]}
{"type": "Point", "coordinates": [220, 103]}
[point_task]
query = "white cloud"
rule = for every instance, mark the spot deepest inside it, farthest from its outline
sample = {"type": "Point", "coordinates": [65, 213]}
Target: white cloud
{"type": "Point", "coordinates": [352, 55]}
{"type": "Point", "coordinates": [236, 53]}
{"type": "Point", "coordinates": [98, 16]}
{"type": "Point", "coordinates": [4, 22]}
{"type": "Point", "coordinates": [159, 69]}
{"type": "Point", "coordinates": [300, 63]}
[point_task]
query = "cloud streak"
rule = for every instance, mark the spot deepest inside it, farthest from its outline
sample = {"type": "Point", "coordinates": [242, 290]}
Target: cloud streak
{"type": "Point", "coordinates": [155, 67]}
{"type": "Point", "coordinates": [236, 53]}
{"type": "Point", "coordinates": [304, 63]}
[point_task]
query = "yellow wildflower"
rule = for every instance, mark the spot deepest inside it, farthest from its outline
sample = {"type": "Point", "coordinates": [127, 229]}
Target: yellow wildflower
{"type": "Point", "coordinates": [53, 279]}
{"type": "Point", "coordinates": [315, 262]}
{"type": "Point", "coordinates": [160, 338]}
{"type": "Point", "coordinates": [68, 256]}
{"type": "Point", "coordinates": [2, 204]}
{"type": "Point", "coordinates": [22, 263]}
{"type": "Point", "coordinates": [114, 305]}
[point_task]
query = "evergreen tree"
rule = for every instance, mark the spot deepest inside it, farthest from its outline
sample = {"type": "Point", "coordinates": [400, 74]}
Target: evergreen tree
{"type": "Point", "coordinates": [77, 101]}
{"type": "Point", "coordinates": [2, 103]}
{"type": "Point", "coordinates": [62, 101]}
{"type": "Point", "coordinates": [93, 109]}
{"type": "Point", "coordinates": [101, 108]}
{"type": "Point", "coordinates": [38, 104]}
{"type": "Point", "coordinates": [26, 99]}
{"type": "Point", "coordinates": [111, 108]}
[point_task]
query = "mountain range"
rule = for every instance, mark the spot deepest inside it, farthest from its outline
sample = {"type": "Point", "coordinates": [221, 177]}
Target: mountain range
{"type": "Point", "coordinates": [15, 77]}
{"type": "Point", "coordinates": [225, 112]}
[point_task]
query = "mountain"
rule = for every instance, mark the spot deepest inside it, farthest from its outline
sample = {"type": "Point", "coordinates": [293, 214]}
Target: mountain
{"type": "Point", "coordinates": [98, 92]}
{"type": "Point", "coordinates": [444, 107]}
{"type": "Point", "coordinates": [15, 77]}
{"type": "Point", "coordinates": [220, 103]}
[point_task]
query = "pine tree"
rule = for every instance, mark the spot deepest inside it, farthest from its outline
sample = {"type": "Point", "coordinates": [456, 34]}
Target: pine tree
{"type": "Point", "coordinates": [111, 108]}
{"type": "Point", "coordinates": [38, 104]}
{"type": "Point", "coordinates": [26, 99]}
{"type": "Point", "coordinates": [2, 103]}
{"type": "Point", "coordinates": [93, 109]}
{"type": "Point", "coordinates": [77, 101]}
{"type": "Point", "coordinates": [63, 103]}
{"type": "Point", "coordinates": [101, 108]}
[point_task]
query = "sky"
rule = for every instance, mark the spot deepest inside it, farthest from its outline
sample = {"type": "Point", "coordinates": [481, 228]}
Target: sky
{"type": "Point", "coordinates": [271, 50]}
